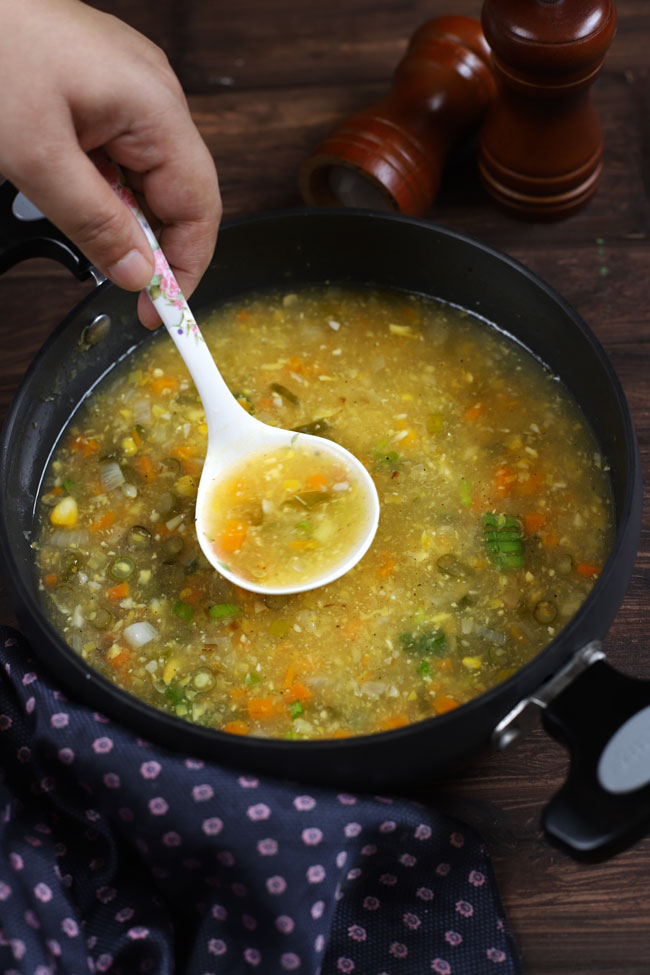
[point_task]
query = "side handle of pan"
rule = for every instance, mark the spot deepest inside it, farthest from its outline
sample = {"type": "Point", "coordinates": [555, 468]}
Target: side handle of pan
{"type": "Point", "coordinates": [603, 718]}
{"type": "Point", "coordinates": [25, 233]}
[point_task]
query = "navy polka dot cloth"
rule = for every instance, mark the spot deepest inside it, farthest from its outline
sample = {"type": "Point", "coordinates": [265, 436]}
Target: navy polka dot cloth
{"type": "Point", "coordinates": [119, 856]}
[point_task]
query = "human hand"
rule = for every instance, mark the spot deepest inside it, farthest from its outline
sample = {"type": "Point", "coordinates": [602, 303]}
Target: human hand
{"type": "Point", "coordinates": [78, 80]}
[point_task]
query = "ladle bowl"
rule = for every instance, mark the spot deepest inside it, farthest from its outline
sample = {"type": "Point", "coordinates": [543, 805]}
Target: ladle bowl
{"type": "Point", "coordinates": [234, 436]}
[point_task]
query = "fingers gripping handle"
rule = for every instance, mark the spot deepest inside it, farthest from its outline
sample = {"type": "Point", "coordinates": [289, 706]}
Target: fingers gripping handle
{"type": "Point", "coordinates": [603, 718]}
{"type": "Point", "coordinates": [25, 233]}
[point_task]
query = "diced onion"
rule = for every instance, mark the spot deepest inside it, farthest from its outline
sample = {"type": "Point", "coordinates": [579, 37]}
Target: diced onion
{"type": "Point", "coordinates": [142, 412]}
{"type": "Point", "coordinates": [137, 634]}
{"type": "Point", "coordinates": [68, 539]}
{"type": "Point", "coordinates": [111, 475]}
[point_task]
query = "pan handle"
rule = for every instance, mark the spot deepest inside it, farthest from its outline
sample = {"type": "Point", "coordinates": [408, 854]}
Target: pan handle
{"type": "Point", "coordinates": [603, 718]}
{"type": "Point", "coordinates": [25, 233]}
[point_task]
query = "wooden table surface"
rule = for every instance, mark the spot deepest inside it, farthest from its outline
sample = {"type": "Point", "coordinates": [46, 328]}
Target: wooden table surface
{"type": "Point", "coordinates": [265, 80]}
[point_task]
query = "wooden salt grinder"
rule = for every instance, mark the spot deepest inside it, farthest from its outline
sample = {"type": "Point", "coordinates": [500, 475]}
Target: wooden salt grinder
{"type": "Point", "coordinates": [391, 155]}
{"type": "Point", "coordinates": [540, 152]}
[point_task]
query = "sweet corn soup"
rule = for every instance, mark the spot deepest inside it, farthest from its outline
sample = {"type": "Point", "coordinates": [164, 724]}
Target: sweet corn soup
{"type": "Point", "coordinates": [496, 519]}
{"type": "Point", "coordinates": [286, 517]}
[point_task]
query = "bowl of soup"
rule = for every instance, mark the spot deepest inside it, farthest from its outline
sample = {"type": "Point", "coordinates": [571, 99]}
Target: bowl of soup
{"type": "Point", "coordinates": [484, 409]}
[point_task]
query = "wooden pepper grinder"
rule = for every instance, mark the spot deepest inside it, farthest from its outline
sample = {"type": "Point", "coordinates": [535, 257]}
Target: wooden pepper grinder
{"type": "Point", "coordinates": [540, 152]}
{"type": "Point", "coordinates": [391, 155]}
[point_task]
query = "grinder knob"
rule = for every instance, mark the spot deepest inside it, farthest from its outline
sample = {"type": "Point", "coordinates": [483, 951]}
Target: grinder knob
{"type": "Point", "coordinates": [391, 155]}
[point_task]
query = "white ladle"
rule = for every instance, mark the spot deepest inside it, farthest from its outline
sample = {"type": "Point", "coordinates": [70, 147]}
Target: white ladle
{"type": "Point", "coordinates": [233, 434]}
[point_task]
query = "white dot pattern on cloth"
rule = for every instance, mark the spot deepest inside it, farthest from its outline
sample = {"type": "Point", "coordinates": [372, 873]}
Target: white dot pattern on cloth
{"type": "Point", "coordinates": [120, 857]}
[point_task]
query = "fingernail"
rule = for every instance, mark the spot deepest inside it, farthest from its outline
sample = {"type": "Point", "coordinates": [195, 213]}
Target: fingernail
{"type": "Point", "coordinates": [132, 272]}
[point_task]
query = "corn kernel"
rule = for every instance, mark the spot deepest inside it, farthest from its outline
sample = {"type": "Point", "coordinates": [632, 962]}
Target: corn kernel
{"type": "Point", "coordinates": [171, 669]}
{"type": "Point", "coordinates": [186, 486]}
{"type": "Point", "coordinates": [472, 663]}
{"type": "Point", "coordinates": [129, 446]}
{"type": "Point", "coordinates": [65, 513]}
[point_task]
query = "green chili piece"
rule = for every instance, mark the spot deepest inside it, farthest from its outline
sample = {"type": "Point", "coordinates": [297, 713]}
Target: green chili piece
{"type": "Point", "coordinates": [285, 393]}
{"type": "Point", "coordinates": [183, 610]}
{"type": "Point", "coordinates": [296, 709]}
{"type": "Point", "coordinates": [309, 499]}
{"type": "Point", "coordinates": [433, 642]}
{"type": "Point", "coordinates": [224, 611]}
{"type": "Point", "coordinates": [424, 669]}
{"type": "Point", "coordinates": [316, 428]}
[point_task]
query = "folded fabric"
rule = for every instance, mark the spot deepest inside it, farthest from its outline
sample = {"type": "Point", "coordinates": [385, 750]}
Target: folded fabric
{"type": "Point", "coordinates": [120, 856]}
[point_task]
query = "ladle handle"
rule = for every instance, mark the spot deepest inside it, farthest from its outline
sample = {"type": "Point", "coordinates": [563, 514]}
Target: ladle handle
{"type": "Point", "coordinates": [164, 291]}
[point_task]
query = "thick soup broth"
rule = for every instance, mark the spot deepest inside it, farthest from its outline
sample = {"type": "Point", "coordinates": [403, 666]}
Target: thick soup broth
{"type": "Point", "coordinates": [496, 519]}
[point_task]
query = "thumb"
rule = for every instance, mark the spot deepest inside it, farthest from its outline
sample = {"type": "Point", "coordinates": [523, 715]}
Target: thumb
{"type": "Point", "coordinates": [78, 200]}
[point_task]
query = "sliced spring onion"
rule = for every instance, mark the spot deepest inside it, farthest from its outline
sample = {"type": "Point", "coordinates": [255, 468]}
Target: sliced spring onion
{"type": "Point", "coordinates": [137, 634]}
{"type": "Point", "coordinates": [171, 548]}
{"type": "Point", "coordinates": [122, 567]}
{"type": "Point", "coordinates": [502, 535]}
{"type": "Point", "coordinates": [296, 709]}
{"type": "Point", "coordinates": [138, 538]}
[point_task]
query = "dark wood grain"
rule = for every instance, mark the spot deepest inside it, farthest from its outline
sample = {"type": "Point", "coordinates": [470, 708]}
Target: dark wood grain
{"type": "Point", "coordinates": [266, 80]}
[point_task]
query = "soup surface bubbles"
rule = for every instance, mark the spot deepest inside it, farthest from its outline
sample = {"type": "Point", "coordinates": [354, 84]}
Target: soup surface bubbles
{"type": "Point", "coordinates": [496, 519]}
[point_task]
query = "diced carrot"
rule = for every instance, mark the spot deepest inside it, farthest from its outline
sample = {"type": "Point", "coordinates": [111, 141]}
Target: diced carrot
{"type": "Point", "coordinates": [243, 315]}
{"type": "Point", "coordinates": [120, 591]}
{"type": "Point", "coordinates": [302, 544]}
{"type": "Point", "coordinates": [233, 536]}
{"type": "Point", "coordinates": [84, 446]}
{"type": "Point", "coordinates": [261, 707]}
{"type": "Point", "coordinates": [395, 721]}
{"type": "Point", "coordinates": [550, 540]}
{"type": "Point", "coordinates": [587, 569]}
{"type": "Point", "coordinates": [56, 491]}
{"type": "Point", "coordinates": [444, 663]}
{"type": "Point", "coordinates": [341, 733]}
{"type": "Point", "coordinates": [145, 467]}
{"type": "Point", "coordinates": [444, 703]}
{"type": "Point", "coordinates": [474, 411]}
{"type": "Point", "coordinates": [191, 464]}
{"type": "Point", "coordinates": [237, 694]}
{"type": "Point", "coordinates": [386, 565]}
{"type": "Point", "coordinates": [164, 384]}
{"type": "Point", "coordinates": [121, 661]}
{"type": "Point", "coordinates": [298, 692]}
{"type": "Point", "coordinates": [351, 629]}
{"type": "Point", "coordinates": [236, 728]}
{"type": "Point", "coordinates": [264, 403]}
{"type": "Point", "coordinates": [532, 485]}
{"type": "Point", "coordinates": [504, 479]}
{"type": "Point", "coordinates": [50, 579]}
{"type": "Point", "coordinates": [534, 521]}
{"type": "Point", "coordinates": [298, 365]}
{"type": "Point", "coordinates": [192, 594]}
{"type": "Point", "coordinates": [316, 482]}
{"type": "Point", "coordinates": [289, 677]}
{"type": "Point", "coordinates": [103, 522]}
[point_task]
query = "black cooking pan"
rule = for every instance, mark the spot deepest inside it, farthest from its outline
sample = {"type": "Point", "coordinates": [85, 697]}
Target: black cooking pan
{"type": "Point", "coordinates": [603, 716]}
